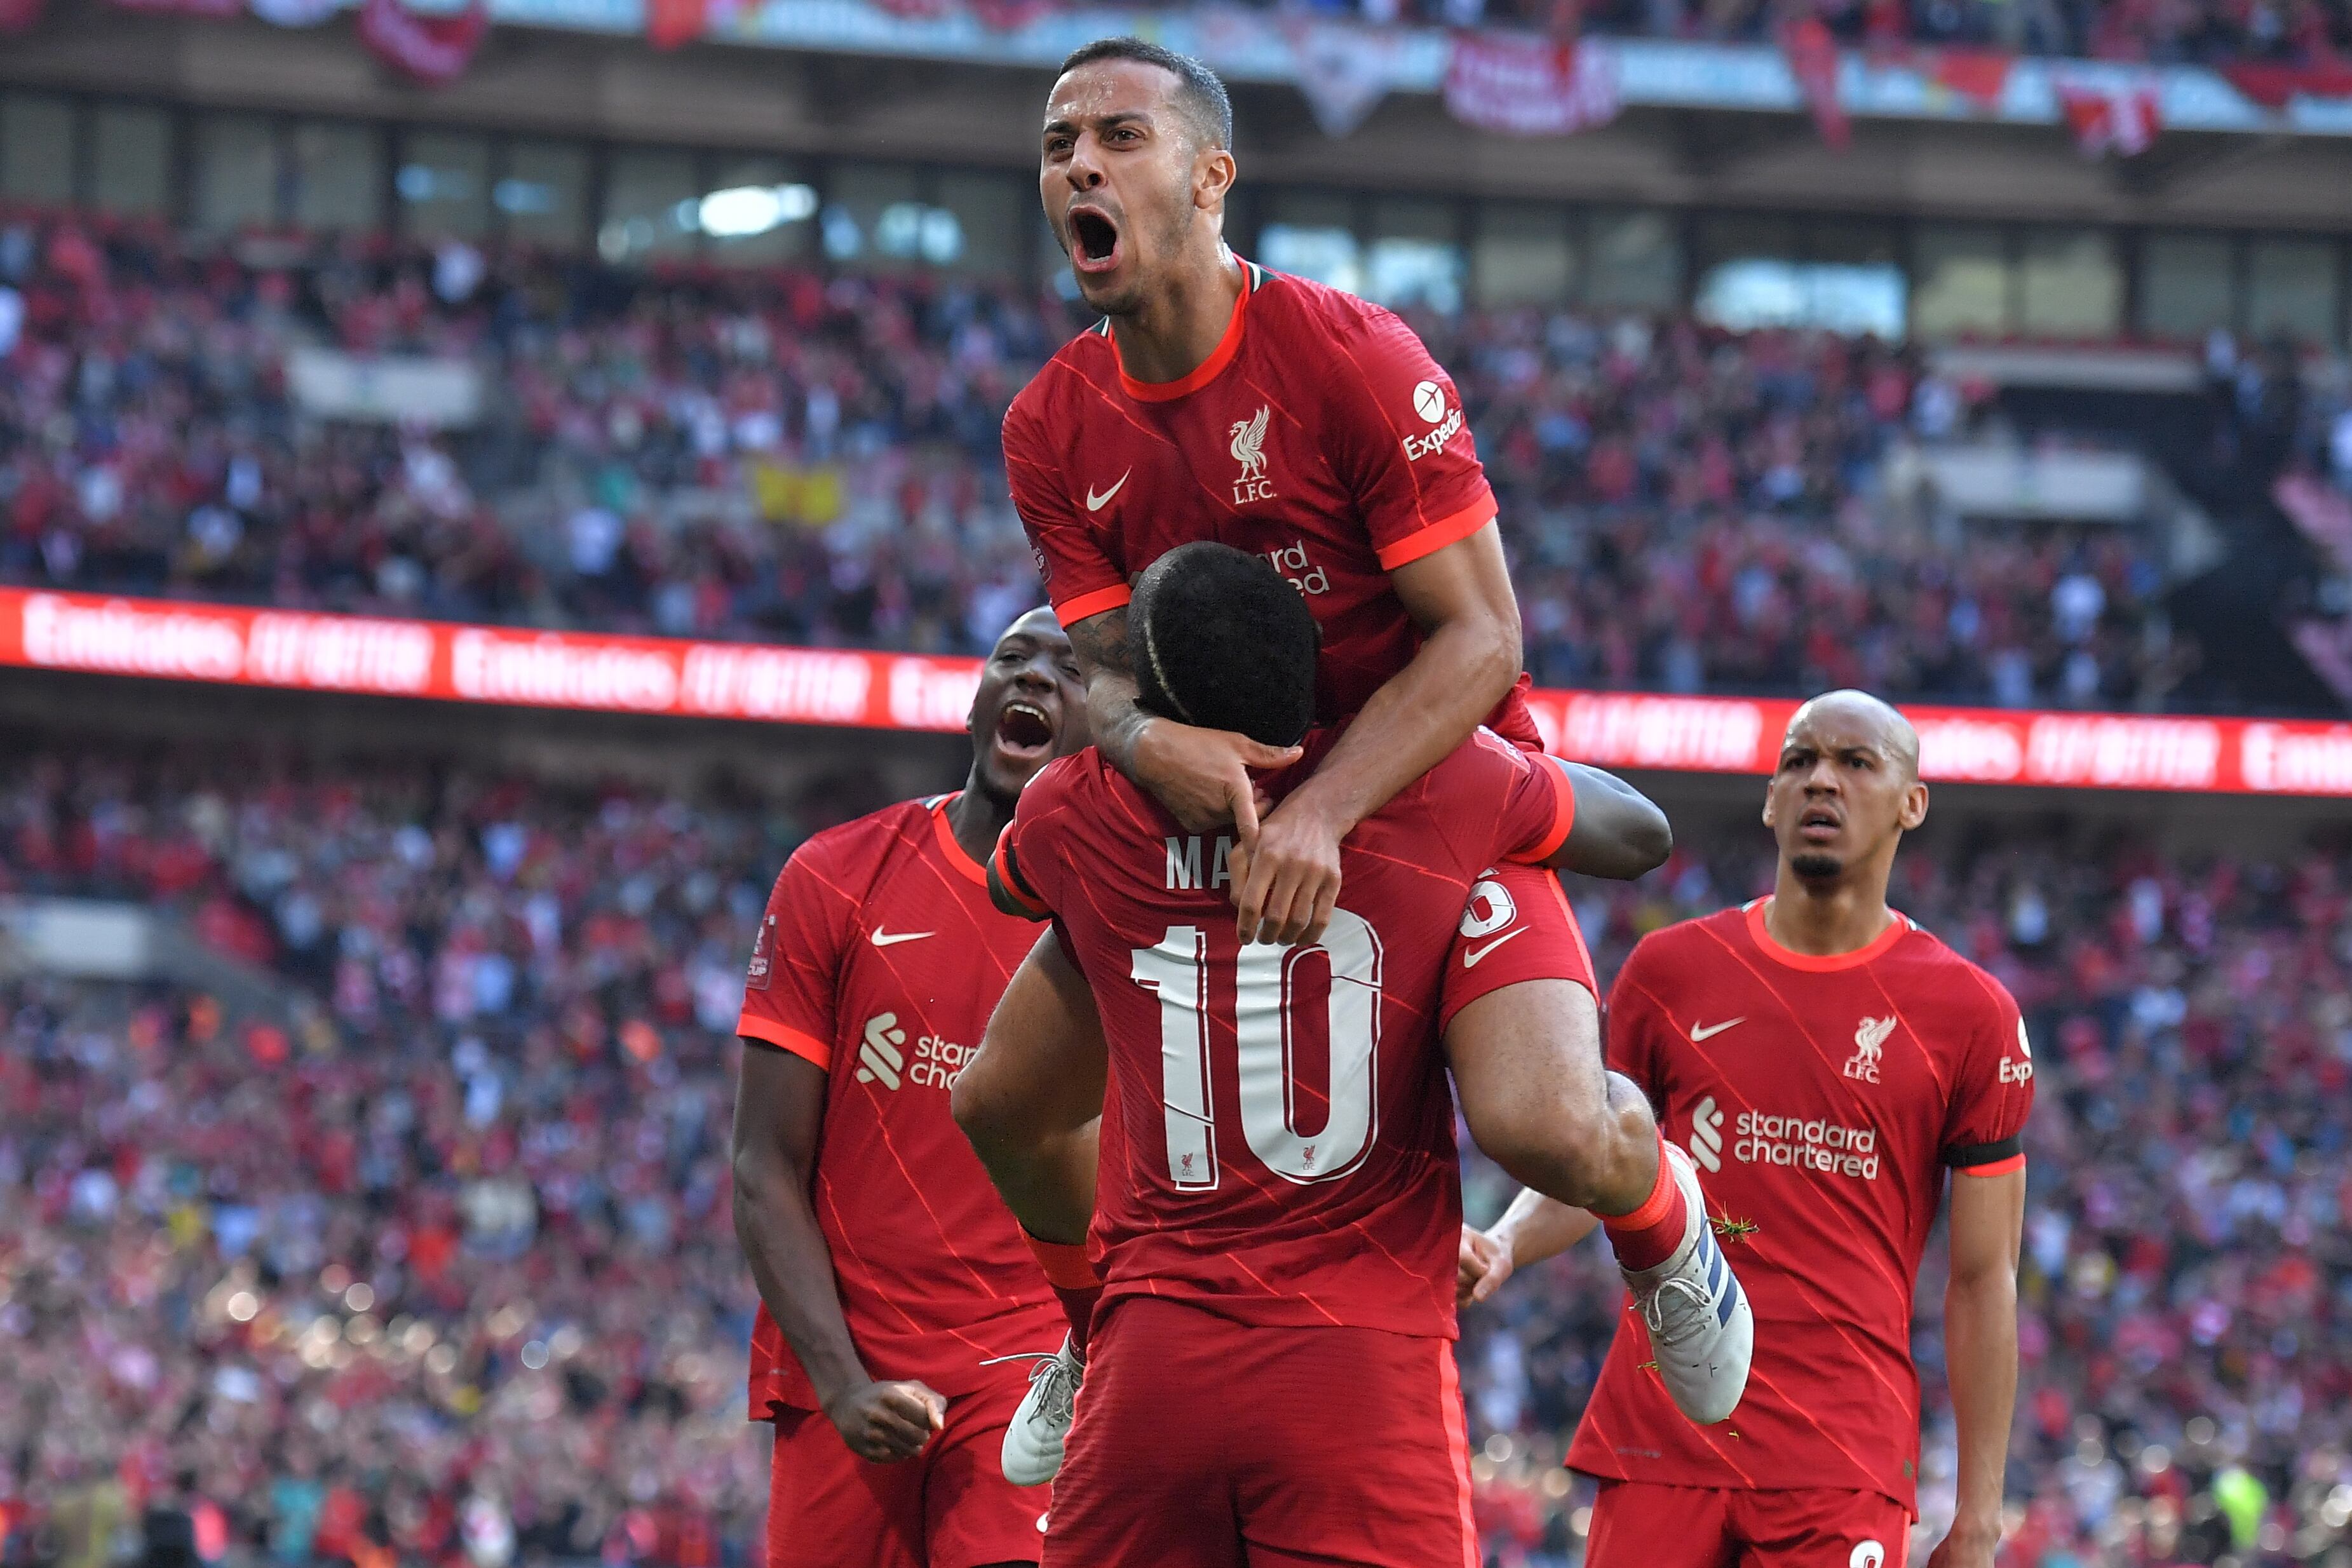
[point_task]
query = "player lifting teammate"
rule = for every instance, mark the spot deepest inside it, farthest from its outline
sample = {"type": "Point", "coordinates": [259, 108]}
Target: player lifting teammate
{"type": "Point", "coordinates": [1278, 1194]}
{"type": "Point", "coordinates": [884, 1261]}
{"type": "Point", "coordinates": [1217, 401]}
{"type": "Point", "coordinates": [1826, 1059]}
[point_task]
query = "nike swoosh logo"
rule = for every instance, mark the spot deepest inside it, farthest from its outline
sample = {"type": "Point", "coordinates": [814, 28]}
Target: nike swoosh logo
{"type": "Point", "coordinates": [892, 939]}
{"type": "Point", "coordinates": [1700, 1035]}
{"type": "Point", "coordinates": [1471, 956]}
{"type": "Point", "coordinates": [1096, 503]}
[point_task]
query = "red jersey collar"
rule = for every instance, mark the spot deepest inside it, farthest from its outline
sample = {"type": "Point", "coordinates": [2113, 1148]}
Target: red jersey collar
{"type": "Point", "coordinates": [1824, 963]}
{"type": "Point", "coordinates": [1209, 369]}
{"type": "Point", "coordinates": [971, 869]}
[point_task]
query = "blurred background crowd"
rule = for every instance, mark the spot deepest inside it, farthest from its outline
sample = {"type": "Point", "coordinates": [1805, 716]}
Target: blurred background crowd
{"type": "Point", "coordinates": [435, 1267]}
{"type": "Point", "coordinates": [789, 457]}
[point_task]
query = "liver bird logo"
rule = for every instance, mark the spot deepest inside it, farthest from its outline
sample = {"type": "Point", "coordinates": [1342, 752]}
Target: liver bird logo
{"type": "Point", "coordinates": [1249, 444]}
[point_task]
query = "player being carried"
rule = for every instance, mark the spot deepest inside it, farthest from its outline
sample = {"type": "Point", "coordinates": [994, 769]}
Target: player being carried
{"type": "Point", "coordinates": [1276, 1196]}
{"type": "Point", "coordinates": [889, 1275]}
{"type": "Point", "coordinates": [1218, 401]}
{"type": "Point", "coordinates": [1826, 1060]}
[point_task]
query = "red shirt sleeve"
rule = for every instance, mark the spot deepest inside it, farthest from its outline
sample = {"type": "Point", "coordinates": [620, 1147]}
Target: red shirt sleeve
{"type": "Point", "coordinates": [1403, 443]}
{"type": "Point", "coordinates": [1984, 1126]}
{"type": "Point", "coordinates": [788, 991]}
{"type": "Point", "coordinates": [1080, 577]}
{"type": "Point", "coordinates": [1538, 803]}
{"type": "Point", "coordinates": [1029, 853]}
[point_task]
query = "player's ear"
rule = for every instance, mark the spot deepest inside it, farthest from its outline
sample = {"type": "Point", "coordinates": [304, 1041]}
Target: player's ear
{"type": "Point", "coordinates": [1213, 171]}
{"type": "Point", "coordinates": [1914, 807]}
{"type": "Point", "coordinates": [1767, 806]}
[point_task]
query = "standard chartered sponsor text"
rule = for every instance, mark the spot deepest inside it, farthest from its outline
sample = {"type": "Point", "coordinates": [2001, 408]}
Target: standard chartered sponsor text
{"type": "Point", "coordinates": [1806, 1143]}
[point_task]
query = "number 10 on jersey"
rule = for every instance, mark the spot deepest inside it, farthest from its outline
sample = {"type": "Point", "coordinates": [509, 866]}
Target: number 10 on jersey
{"type": "Point", "coordinates": [1267, 999]}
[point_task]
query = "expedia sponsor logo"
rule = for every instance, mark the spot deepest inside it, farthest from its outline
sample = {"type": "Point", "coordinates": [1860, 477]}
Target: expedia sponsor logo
{"type": "Point", "coordinates": [2020, 1067]}
{"type": "Point", "coordinates": [1416, 448]}
{"type": "Point", "coordinates": [1759, 1137]}
{"type": "Point", "coordinates": [883, 1056]}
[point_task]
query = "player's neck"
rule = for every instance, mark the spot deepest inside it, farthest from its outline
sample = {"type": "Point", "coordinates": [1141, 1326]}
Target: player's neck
{"type": "Point", "coordinates": [978, 818]}
{"type": "Point", "coordinates": [1181, 325]}
{"type": "Point", "coordinates": [1824, 920]}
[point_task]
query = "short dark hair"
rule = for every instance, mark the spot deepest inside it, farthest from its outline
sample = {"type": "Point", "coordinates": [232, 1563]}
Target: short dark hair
{"type": "Point", "coordinates": [1199, 93]}
{"type": "Point", "coordinates": [1223, 640]}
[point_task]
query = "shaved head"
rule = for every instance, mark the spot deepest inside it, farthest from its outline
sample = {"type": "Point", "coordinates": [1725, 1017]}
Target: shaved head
{"type": "Point", "coordinates": [1858, 712]}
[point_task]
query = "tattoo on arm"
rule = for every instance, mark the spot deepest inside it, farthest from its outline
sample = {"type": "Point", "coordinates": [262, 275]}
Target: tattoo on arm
{"type": "Point", "coordinates": [1101, 644]}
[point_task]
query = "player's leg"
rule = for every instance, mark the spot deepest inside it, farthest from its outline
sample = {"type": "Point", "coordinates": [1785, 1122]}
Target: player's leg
{"type": "Point", "coordinates": [974, 1516]}
{"type": "Point", "coordinates": [1835, 1528]}
{"type": "Point", "coordinates": [1147, 1475]}
{"type": "Point", "coordinates": [1638, 1525]}
{"type": "Point", "coordinates": [829, 1509]}
{"type": "Point", "coordinates": [1523, 1036]}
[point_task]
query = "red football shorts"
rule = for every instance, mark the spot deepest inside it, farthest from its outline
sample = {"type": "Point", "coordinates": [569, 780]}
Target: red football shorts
{"type": "Point", "coordinates": [1516, 926]}
{"type": "Point", "coordinates": [1203, 1443]}
{"type": "Point", "coordinates": [948, 1507]}
{"type": "Point", "coordinates": [1636, 1524]}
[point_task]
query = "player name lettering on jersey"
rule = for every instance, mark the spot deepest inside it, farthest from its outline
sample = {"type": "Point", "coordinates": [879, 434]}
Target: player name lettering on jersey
{"type": "Point", "coordinates": [1185, 859]}
{"type": "Point", "coordinates": [1806, 1143]}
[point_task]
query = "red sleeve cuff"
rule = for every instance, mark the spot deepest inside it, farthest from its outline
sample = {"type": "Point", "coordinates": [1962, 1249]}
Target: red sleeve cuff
{"type": "Point", "coordinates": [1431, 538]}
{"type": "Point", "coordinates": [767, 1031]}
{"type": "Point", "coordinates": [1080, 606]}
{"type": "Point", "coordinates": [1563, 813]}
{"type": "Point", "coordinates": [1998, 1168]}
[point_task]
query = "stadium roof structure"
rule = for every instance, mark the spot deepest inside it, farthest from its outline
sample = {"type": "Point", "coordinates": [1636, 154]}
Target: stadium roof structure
{"type": "Point", "coordinates": [662, 677]}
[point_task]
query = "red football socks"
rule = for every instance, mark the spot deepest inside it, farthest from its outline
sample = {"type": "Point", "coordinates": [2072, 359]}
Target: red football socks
{"type": "Point", "coordinates": [1072, 1275]}
{"type": "Point", "coordinates": [1648, 1236]}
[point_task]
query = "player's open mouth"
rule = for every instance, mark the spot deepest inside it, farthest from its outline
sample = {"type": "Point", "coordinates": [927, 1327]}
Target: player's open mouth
{"type": "Point", "coordinates": [1094, 241]}
{"type": "Point", "coordinates": [1819, 823]}
{"type": "Point", "coordinates": [1024, 731]}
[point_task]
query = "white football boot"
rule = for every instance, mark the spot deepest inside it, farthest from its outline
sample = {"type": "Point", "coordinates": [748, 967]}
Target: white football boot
{"type": "Point", "coordinates": [1702, 1332]}
{"type": "Point", "coordinates": [1032, 1444]}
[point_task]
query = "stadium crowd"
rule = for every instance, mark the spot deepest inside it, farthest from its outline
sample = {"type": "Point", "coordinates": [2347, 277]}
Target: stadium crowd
{"type": "Point", "coordinates": [434, 1266]}
{"type": "Point", "coordinates": [795, 458]}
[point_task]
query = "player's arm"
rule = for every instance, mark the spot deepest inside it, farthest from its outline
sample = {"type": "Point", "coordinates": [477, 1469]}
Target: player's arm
{"type": "Point", "coordinates": [1618, 832]}
{"type": "Point", "coordinates": [1461, 599]}
{"type": "Point", "coordinates": [1200, 775]}
{"type": "Point", "coordinates": [779, 1107]}
{"type": "Point", "coordinates": [1533, 1229]}
{"type": "Point", "coordinates": [1031, 1100]}
{"type": "Point", "coordinates": [1981, 1354]}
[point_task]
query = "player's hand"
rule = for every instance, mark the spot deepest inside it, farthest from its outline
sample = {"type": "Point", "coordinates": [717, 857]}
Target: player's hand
{"type": "Point", "coordinates": [1972, 1543]}
{"type": "Point", "coordinates": [1484, 1263]}
{"type": "Point", "coordinates": [1201, 776]}
{"type": "Point", "coordinates": [886, 1422]}
{"type": "Point", "coordinates": [1286, 881]}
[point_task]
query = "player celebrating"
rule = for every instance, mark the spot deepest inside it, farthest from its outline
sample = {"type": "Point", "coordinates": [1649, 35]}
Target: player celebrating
{"type": "Point", "coordinates": [1279, 1188]}
{"type": "Point", "coordinates": [883, 1259]}
{"type": "Point", "coordinates": [1218, 401]}
{"type": "Point", "coordinates": [1825, 1059]}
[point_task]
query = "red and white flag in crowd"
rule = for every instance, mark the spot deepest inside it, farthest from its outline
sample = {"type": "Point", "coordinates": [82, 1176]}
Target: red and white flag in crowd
{"type": "Point", "coordinates": [1523, 86]}
{"type": "Point", "coordinates": [1343, 70]}
{"type": "Point", "coordinates": [432, 49]}
{"type": "Point", "coordinates": [670, 23]}
{"type": "Point", "coordinates": [2119, 116]}
{"type": "Point", "coordinates": [18, 15]}
{"type": "Point", "coordinates": [1812, 55]}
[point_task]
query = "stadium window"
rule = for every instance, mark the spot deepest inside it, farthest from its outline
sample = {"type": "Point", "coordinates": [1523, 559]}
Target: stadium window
{"type": "Point", "coordinates": [237, 172]}
{"type": "Point", "coordinates": [874, 217]}
{"type": "Point", "coordinates": [542, 192]}
{"type": "Point", "coordinates": [1637, 262]}
{"type": "Point", "coordinates": [1960, 282]}
{"type": "Point", "coordinates": [988, 210]}
{"type": "Point", "coordinates": [653, 207]}
{"type": "Point", "coordinates": [131, 160]}
{"type": "Point", "coordinates": [1314, 236]}
{"type": "Point", "coordinates": [1415, 258]}
{"type": "Point", "coordinates": [759, 212]}
{"type": "Point", "coordinates": [1523, 256]}
{"type": "Point", "coordinates": [2186, 287]}
{"type": "Point", "coordinates": [2291, 290]}
{"type": "Point", "coordinates": [2070, 284]}
{"type": "Point", "coordinates": [36, 147]}
{"type": "Point", "coordinates": [443, 185]}
{"type": "Point", "coordinates": [338, 169]}
{"type": "Point", "coordinates": [1761, 272]}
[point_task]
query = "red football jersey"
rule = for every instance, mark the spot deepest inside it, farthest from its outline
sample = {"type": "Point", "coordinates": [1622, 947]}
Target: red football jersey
{"type": "Point", "coordinates": [1277, 1139]}
{"type": "Point", "coordinates": [1319, 434]}
{"type": "Point", "coordinates": [1822, 1099]}
{"type": "Point", "coordinates": [880, 960]}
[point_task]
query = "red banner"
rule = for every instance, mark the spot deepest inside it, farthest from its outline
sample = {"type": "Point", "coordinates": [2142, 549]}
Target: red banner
{"type": "Point", "coordinates": [1813, 57]}
{"type": "Point", "coordinates": [1522, 86]}
{"type": "Point", "coordinates": [431, 49]}
{"type": "Point", "coordinates": [2122, 117]}
{"type": "Point", "coordinates": [301, 651]}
